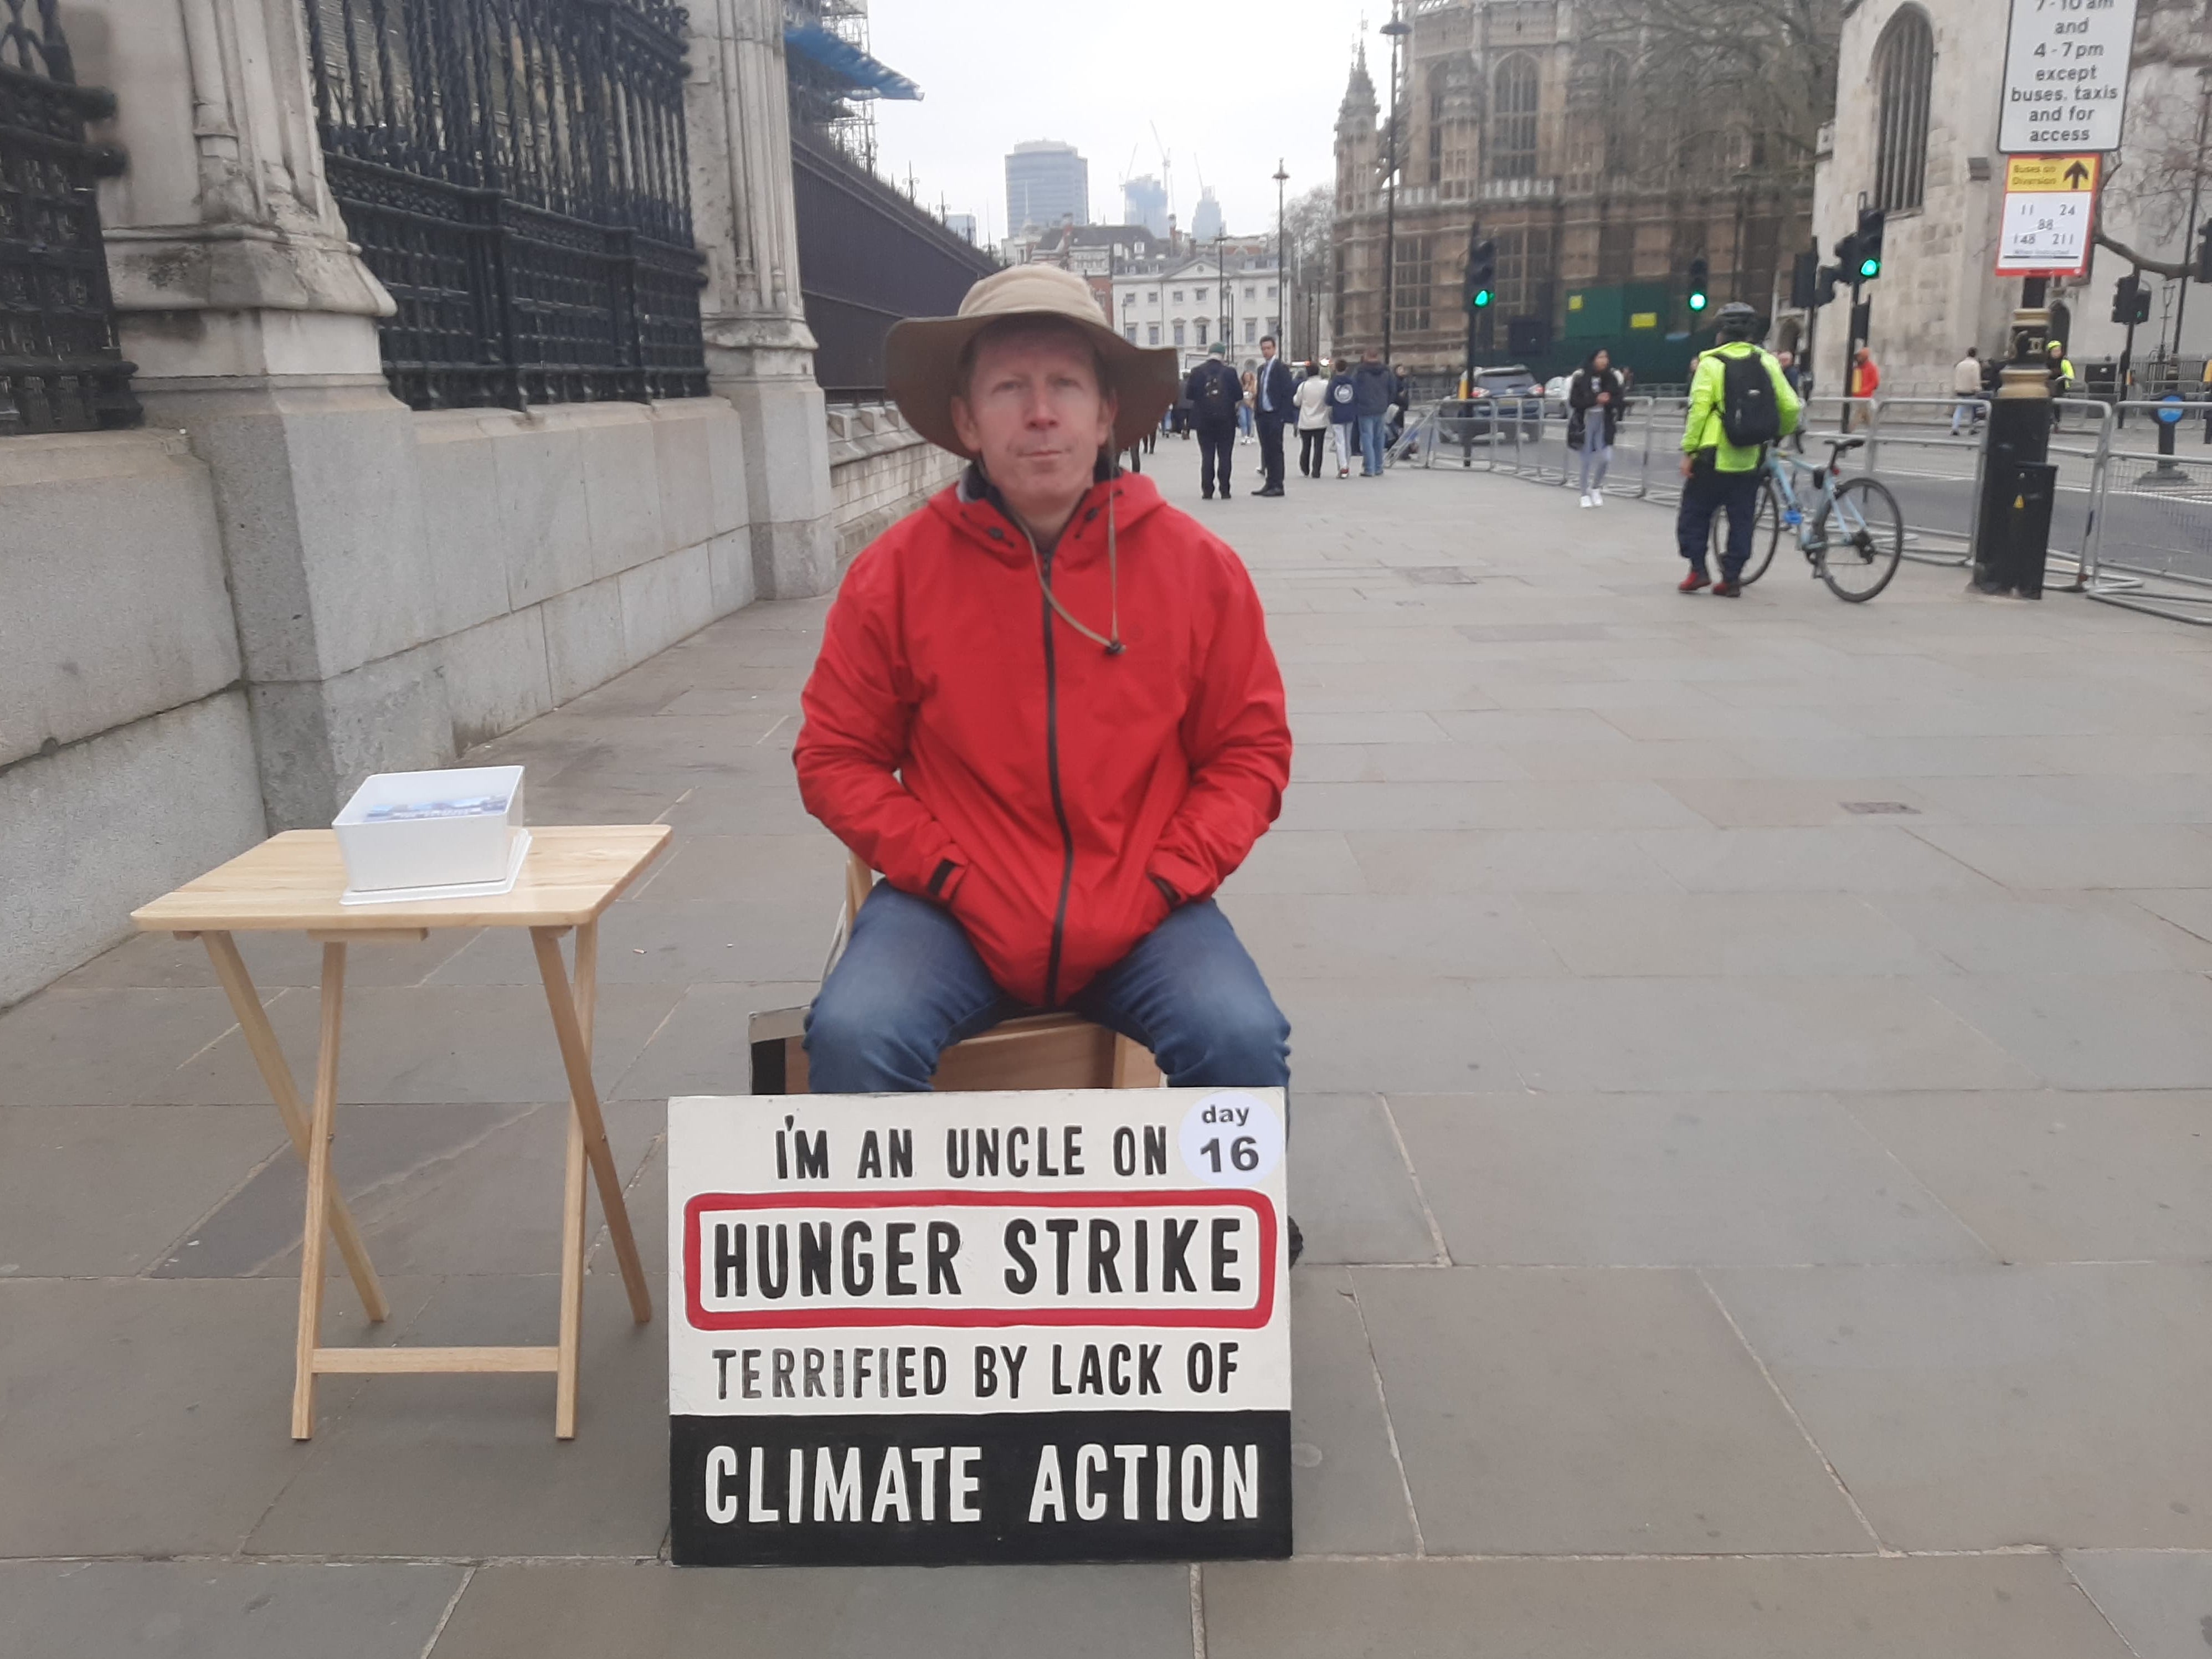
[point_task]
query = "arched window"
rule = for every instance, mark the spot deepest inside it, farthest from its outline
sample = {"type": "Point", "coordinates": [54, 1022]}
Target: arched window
{"type": "Point", "coordinates": [1513, 121]}
{"type": "Point", "coordinates": [1904, 66]}
{"type": "Point", "coordinates": [1436, 123]}
{"type": "Point", "coordinates": [1614, 116]}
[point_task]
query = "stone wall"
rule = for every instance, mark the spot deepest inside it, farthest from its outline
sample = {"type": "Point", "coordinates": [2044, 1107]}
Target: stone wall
{"type": "Point", "coordinates": [554, 549]}
{"type": "Point", "coordinates": [572, 542]}
{"type": "Point", "coordinates": [880, 470]}
{"type": "Point", "coordinates": [126, 755]}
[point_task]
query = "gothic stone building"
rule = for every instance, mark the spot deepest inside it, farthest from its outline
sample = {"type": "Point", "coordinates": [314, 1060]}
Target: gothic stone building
{"type": "Point", "coordinates": [1514, 113]}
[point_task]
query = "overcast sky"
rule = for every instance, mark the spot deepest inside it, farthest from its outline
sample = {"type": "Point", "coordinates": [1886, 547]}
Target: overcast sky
{"type": "Point", "coordinates": [995, 72]}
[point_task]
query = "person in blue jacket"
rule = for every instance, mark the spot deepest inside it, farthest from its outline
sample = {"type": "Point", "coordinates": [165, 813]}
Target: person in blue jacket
{"type": "Point", "coordinates": [1343, 415]}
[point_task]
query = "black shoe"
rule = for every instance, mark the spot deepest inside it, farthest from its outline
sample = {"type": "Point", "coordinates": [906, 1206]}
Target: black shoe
{"type": "Point", "coordinates": [1273, 490]}
{"type": "Point", "coordinates": [1297, 1242]}
{"type": "Point", "coordinates": [1209, 495]}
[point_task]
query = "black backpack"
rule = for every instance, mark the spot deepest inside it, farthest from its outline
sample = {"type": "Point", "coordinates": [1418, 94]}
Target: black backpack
{"type": "Point", "coordinates": [1748, 414]}
{"type": "Point", "coordinates": [1216, 402]}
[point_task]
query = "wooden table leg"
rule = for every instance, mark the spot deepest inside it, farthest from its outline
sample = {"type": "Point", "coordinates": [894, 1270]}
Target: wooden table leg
{"type": "Point", "coordinates": [276, 1074]}
{"type": "Point", "coordinates": [320, 1132]}
{"type": "Point", "coordinates": [586, 980]}
{"type": "Point", "coordinates": [576, 1057]}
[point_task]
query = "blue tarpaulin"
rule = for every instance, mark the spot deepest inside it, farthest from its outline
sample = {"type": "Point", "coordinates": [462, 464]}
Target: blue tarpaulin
{"type": "Point", "coordinates": [866, 77]}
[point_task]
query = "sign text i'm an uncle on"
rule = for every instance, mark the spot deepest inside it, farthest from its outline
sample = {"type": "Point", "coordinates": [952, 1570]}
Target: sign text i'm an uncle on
{"type": "Point", "coordinates": [1041, 1326]}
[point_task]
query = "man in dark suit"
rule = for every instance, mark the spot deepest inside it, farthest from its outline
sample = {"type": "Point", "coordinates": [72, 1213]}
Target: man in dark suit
{"type": "Point", "coordinates": [1274, 403]}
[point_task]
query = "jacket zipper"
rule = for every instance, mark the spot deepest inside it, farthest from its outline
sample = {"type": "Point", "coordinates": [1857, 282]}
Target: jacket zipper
{"type": "Point", "coordinates": [1059, 803]}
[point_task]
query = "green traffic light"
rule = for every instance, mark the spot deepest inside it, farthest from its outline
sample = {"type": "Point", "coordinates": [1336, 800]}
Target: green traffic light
{"type": "Point", "coordinates": [1870, 267]}
{"type": "Point", "coordinates": [1481, 297]}
{"type": "Point", "coordinates": [1697, 303]}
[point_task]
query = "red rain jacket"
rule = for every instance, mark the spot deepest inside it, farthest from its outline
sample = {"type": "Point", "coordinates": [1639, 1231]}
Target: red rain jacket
{"type": "Point", "coordinates": [979, 752]}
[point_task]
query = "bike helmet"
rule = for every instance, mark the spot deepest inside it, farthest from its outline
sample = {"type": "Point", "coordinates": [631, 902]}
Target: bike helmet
{"type": "Point", "coordinates": [1737, 321]}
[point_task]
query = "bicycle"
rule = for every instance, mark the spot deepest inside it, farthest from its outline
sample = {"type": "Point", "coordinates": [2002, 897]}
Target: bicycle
{"type": "Point", "coordinates": [1856, 559]}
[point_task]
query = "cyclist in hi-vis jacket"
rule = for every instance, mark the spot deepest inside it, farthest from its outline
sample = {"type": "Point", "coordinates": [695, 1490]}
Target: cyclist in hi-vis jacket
{"type": "Point", "coordinates": [1718, 475]}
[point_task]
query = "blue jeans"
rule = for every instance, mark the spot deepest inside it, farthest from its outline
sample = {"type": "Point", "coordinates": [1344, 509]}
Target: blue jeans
{"type": "Point", "coordinates": [910, 985]}
{"type": "Point", "coordinates": [1370, 443]}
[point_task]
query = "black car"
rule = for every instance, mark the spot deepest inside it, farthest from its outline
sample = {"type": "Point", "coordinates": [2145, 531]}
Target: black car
{"type": "Point", "coordinates": [1501, 396]}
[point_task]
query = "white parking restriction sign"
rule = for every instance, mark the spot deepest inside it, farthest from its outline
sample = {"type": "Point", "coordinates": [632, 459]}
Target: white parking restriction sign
{"type": "Point", "coordinates": [2066, 75]}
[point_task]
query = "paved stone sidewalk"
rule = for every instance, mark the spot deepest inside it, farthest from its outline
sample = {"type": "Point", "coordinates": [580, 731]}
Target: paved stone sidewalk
{"type": "Point", "coordinates": [1755, 1138]}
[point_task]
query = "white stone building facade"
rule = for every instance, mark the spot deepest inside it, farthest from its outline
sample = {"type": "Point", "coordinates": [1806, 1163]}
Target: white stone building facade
{"type": "Point", "coordinates": [1181, 303]}
{"type": "Point", "coordinates": [1938, 292]}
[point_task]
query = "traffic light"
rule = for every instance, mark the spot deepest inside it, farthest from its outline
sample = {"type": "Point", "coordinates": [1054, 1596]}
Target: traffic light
{"type": "Point", "coordinates": [2204, 252]}
{"type": "Point", "coordinates": [1847, 256]}
{"type": "Point", "coordinates": [2125, 294]}
{"type": "Point", "coordinates": [1868, 264]}
{"type": "Point", "coordinates": [1824, 291]}
{"type": "Point", "coordinates": [1481, 275]}
{"type": "Point", "coordinates": [1805, 283]}
{"type": "Point", "coordinates": [1698, 281]}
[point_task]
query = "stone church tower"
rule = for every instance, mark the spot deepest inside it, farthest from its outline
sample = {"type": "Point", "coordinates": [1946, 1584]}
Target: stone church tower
{"type": "Point", "coordinates": [1519, 115]}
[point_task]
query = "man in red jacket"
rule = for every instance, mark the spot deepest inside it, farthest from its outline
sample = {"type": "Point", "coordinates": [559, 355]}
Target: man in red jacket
{"type": "Point", "coordinates": [1046, 709]}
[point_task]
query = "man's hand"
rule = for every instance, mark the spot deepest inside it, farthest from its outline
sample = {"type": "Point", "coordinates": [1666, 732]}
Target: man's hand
{"type": "Point", "coordinates": [1689, 464]}
{"type": "Point", "coordinates": [1604, 398]}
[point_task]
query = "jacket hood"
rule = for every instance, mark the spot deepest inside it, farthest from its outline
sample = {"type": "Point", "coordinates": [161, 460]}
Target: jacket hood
{"type": "Point", "coordinates": [971, 509]}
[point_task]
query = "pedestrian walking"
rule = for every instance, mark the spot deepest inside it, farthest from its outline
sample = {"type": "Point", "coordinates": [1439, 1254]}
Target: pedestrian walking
{"type": "Point", "coordinates": [1739, 403]}
{"type": "Point", "coordinates": [1864, 380]}
{"type": "Point", "coordinates": [1373, 394]}
{"type": "Point", "coordinates": [1274, 401]}
{"type": "Point", "coordinates": [1593, 408]}
{"type": "Point", "coordinates": [1312, 399]}
{"type": "Point", "coordinates": [1966, 386]}
{"type": "Point", "coordinates": [1343, 417]}
{"type": "Point", "coordinates": [2207, 393]}
{"type": "Point", "coordinates": [1214, 394]}
{"type": "Point", "coordinates": [1247, 381]}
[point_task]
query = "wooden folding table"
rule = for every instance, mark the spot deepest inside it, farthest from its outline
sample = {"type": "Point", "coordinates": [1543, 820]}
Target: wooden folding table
{"type": "Point", "coordinates": [292, 883]}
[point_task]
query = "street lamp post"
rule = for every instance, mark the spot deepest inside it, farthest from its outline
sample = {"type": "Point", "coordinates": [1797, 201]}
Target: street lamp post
{"type": "Point", "coordinates": [1397, 28]}
{"type": "Point", "coordinates": [1282, 265]}
{"type": "Point", "coordinates": [1221, 278]}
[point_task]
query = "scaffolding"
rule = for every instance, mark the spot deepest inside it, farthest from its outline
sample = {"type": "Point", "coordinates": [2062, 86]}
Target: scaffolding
{"type": "Point", "coordinates": [841, 112]}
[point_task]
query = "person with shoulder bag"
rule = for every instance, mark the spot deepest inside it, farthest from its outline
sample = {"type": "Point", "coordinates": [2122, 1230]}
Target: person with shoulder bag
{"type": "Point", "coordinates": [1594, 404]}
{"type": "Point", "coordinates": [1739, 403]}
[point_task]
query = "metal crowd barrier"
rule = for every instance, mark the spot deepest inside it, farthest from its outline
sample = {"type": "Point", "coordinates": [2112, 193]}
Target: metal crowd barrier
{"type": "Point", "coordinates": [1927, 430]}
{"type": "Point", "coordinates": [2153, 548]}
{"type": "Point", "coordinates": [2137, 526]}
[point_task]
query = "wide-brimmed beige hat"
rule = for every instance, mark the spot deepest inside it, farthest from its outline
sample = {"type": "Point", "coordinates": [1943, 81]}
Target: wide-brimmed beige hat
{"type": "Point", "coordinates": [923, 353]}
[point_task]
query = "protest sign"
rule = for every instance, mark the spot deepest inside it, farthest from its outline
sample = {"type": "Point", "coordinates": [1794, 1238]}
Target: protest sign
{"type": "Point", "coordinates": [1021, 1326]}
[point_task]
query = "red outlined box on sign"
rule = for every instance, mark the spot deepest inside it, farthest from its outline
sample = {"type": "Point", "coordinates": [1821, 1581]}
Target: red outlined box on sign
{"type": "Point", "coordinates": [998, 1315]}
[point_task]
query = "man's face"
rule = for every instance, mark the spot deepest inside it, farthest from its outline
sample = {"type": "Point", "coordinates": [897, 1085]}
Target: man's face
{"type": "Point", "coordinates": [1266, 349]}
{"type": "Point", "coordinates": [1033, 410]}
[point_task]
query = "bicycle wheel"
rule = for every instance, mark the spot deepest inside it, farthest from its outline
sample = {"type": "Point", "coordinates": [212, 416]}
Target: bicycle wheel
{"type": "Point", "coordinates": [1766, 535]}
{"type": "Point", "coordinates": [1865, 538]}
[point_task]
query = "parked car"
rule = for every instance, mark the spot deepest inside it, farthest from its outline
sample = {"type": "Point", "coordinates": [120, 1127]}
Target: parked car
{"type": "Point", "coordinates": [1555, 394]}
{"type": "Point", "coordinates": [1501, 396]}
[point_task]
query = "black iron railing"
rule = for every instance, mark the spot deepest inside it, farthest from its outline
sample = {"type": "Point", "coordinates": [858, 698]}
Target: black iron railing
{"type": "Point", "coordinates": [60, 370]}
{"type": "Point", "coordinates": [515, 173]}
{"type": "Point", "coordinates": [867, 257]}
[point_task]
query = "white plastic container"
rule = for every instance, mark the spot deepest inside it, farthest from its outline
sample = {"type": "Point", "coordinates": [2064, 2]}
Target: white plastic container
{"type": "Point", "coordinates": [450, 828]}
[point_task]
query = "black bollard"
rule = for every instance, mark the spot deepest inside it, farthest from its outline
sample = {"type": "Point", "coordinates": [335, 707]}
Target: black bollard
{"type": "Point", "coordinates": [2019, 436]}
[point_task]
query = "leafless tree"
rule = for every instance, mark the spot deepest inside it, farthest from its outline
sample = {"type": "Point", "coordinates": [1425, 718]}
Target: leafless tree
{"type": "Point", "coordinates": [1308, 224]}
{"type": "Point", "coordinates": [2164, 170]}
{"type": "Point", "coordinates": [1744, 85]}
